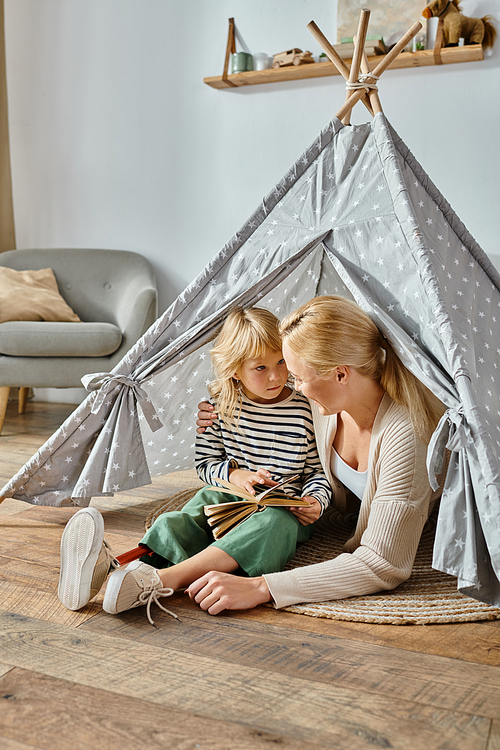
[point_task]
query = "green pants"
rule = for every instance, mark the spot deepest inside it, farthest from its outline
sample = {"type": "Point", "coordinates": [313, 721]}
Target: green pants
{"type": "Point", "coordinates": [263, 543]}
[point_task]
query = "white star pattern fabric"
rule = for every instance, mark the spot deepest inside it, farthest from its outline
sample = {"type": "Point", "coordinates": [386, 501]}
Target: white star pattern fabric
{"type": "Point", "coordinates": [356, 216]}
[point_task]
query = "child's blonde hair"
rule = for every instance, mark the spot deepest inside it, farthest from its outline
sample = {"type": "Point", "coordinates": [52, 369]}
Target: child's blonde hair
{"type": "Point", "coordinates": [330, 331]}
{"type": "Point", "coordinates": [245, 334]}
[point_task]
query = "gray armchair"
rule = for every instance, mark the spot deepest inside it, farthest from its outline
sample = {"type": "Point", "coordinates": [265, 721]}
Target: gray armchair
{"type": "Point", "coordinates": [114, 294]}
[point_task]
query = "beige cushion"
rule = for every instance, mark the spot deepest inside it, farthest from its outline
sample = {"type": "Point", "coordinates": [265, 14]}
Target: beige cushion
{"type": "Point", "coordinates": [32, 295]}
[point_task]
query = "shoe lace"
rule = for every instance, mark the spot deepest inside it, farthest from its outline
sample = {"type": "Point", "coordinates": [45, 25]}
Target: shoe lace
{"type": "Point", "coordinates": [151, 593]}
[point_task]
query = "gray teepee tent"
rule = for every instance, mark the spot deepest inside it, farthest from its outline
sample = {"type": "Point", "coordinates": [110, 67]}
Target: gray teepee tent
{"type": "Point", "coordinates": [356, 215]}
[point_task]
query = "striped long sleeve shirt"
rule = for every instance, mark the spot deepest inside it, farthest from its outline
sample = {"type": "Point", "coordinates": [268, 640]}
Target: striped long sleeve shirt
{"type": "Point", "coordinates": [277, 437]}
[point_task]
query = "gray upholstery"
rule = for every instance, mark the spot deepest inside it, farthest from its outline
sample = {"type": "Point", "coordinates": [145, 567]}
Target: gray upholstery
{"type": "Point", "coordinates": [114, 294]}
{"type": "Point", "coordinates": [20, 338]}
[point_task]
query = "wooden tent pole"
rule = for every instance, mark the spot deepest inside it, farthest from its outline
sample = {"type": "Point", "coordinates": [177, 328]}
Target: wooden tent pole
{"type": "Point", "coordinates": [335, 58]}
{"type": "Point", "coordinates": [359, 48]}
{"type": "Point", "coordinates": [381, 67]}
{"type": "Point", "coordinates": [373, 93]}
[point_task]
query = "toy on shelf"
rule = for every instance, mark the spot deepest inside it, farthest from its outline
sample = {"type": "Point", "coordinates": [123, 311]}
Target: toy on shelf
{"type": "Point", "coordinates": [374, 45]}
{"type": "Point", "coordinates": [439, 55]}
{"type": "Point", "coordinates": [457, 26]}
{"type": "Point", "coordinates": [293, 56]}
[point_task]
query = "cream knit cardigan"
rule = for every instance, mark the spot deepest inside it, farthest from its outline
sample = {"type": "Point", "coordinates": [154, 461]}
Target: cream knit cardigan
{"type": "Point", "coordinates": [394, 509]}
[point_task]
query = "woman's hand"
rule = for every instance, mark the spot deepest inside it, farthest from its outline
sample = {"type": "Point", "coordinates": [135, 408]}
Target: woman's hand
{"type": "Point", "coordinates": [206, 415]}
{"type": "Point", "coordinates": [215, 592]}
{"type": "Point", "coordinates": [304, 515]}
{"type": "Point", "coordinates": [246, 479]}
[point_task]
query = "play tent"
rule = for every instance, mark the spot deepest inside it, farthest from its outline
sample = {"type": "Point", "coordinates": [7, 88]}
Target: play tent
{"type": "Point", "coordinates": [356, 215]}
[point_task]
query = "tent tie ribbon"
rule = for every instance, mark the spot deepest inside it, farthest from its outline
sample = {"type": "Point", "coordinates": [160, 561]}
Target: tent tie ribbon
{"type": "Point", "coordinates": [453, 433]}
{"type": "Point", "coordinates": [104, 382]}
{"type": "Point", "coordinates": [362, 83]}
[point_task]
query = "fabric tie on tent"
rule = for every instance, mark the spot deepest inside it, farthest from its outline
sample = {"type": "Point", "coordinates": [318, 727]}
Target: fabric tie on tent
{"type": "Point", "coordinates": [104, 383]}
{"type": "Point", "coordinates": [451, 433]}
{"type": "Point", "coordinates": [357, 216]}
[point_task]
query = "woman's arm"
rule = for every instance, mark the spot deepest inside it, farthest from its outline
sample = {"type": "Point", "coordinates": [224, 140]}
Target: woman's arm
{"type": "Point", "coordinates": [211, 459]}
{"type": "Point", "coordinates": [381, 552]}
{"type": "Point", "coordinates": [215, 592]}
{"type": "Point", "coordinates": [206, 416]}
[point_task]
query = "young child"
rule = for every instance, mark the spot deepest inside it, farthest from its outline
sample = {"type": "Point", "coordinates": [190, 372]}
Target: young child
{"type": "Point", "coordinates": [264, 434]}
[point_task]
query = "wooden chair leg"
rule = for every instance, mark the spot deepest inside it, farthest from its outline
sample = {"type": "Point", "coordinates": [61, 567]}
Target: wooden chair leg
{"type": "Point", "coordinates": [23, 399]}
{"type": "Point", "coordinates": [4, 397]}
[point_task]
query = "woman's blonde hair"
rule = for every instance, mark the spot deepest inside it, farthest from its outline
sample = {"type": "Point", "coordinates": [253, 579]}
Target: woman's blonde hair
{"type": "Point", "coordinates": [245, 334]}
{"type": "Point", "coordinates": [330, 331]}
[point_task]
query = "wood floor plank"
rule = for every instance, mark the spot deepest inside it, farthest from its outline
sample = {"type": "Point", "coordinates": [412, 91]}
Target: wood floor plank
{"type": "Point", "coordinates": [494, 738]}
{"type": "Point", "coordinates": [23, 551]}
{"type": "Point", "coordinates": [37, 597]}
{"type": "Point", "coordinates": [31, 531]}
{"type": "Point", "coordinates": [467, 641]}
{"type": "Point", "coordinates": [34, 568]}
{"type": "Point", "coordinates": [7, 744]}
{"type": "Point", "coordinates": [308, 710]}
{"type": "Point", "coordinates": [4, 668]}
{"type": "Point", "coordinates": [433, 680]}
{"type": "Point", "coordinates": [45, 536]}
{"type": "Point", "coordinates": [115, 522]}
{"type": "Point", "coordinates": [100, 718]}
{"type": "Point", "coordinates": [10, 507]}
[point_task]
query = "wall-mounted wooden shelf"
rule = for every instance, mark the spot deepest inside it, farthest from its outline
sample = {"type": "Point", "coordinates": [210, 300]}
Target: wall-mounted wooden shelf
{"type": "Point", "coordinates": [422, 58]}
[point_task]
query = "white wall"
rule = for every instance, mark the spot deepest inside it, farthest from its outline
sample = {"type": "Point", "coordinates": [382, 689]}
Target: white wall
{"type": "Point", "coordinates": [117, 142]}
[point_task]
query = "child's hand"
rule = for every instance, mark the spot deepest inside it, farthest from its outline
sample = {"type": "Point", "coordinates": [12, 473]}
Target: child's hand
{"type": "Point", "coordinates": [247, 479]}
{"type": "Point", "coordinates": [206, 413]}
{"type": "Point", "coordinates": [304, 515]}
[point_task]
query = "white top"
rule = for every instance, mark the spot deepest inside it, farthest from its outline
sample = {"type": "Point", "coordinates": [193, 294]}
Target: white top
{"type": "Point", "coordinates": [350, 478]}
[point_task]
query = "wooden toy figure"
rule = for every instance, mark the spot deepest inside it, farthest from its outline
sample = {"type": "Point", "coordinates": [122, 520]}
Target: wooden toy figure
{"type": "Point", "coordinates": [456, 25]}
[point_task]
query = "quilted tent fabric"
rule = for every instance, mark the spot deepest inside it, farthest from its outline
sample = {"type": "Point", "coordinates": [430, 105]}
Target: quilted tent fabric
{"type": "Point", "coordinates": [356, 215]}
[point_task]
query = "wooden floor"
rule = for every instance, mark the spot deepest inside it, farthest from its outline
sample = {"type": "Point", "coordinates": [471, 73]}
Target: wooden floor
{"type": "Point", "coordinates": [258, 679]}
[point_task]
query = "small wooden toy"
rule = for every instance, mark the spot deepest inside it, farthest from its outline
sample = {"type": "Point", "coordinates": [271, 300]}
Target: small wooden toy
{"type": "Point", "coordinates": [293, 56]}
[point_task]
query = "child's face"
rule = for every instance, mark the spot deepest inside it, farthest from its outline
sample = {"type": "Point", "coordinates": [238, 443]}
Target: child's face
{"type": "Point", "coordinates": [264, 379]}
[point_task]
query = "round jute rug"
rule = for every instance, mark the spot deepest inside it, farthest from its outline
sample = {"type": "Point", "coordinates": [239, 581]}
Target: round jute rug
{"type": "Point", "coordinates": [427, 597]}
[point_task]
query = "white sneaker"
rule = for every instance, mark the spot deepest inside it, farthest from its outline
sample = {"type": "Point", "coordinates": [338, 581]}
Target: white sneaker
{"type": "Point", "coordinates": [85, 559]}
{"type": "Point", "coordinates": [133, 586]}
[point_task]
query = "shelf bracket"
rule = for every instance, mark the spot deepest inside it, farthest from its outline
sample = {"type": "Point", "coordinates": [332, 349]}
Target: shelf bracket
{"type": "Point", "coordinates": [230, 49]}
{"type": "Point", "coordinates": [438, 44]}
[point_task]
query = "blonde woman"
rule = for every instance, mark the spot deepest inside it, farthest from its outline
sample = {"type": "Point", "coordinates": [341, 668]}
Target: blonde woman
{"type": "Point", "coordinates": [372, 420]}
{"type": "Point", "coordinates": [264, 434]}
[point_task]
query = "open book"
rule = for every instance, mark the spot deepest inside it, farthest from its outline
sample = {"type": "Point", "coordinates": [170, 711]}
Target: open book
{"type": "Point", "coordinates": [225, 516]}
